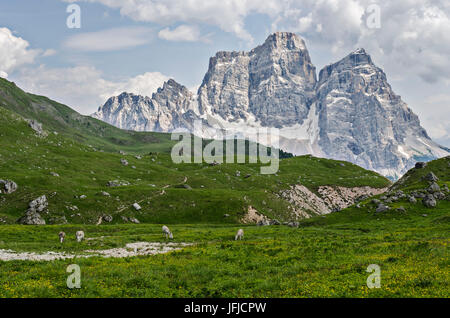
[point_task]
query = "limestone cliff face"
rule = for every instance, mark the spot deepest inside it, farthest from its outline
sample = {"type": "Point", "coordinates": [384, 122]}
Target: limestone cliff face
{"type": "Point", "coordinates": [273, 83]}
{"type": "Point", "coordinates": [166, 110]}
{"type": "Point", "coordinates": [351, 113]}
{"type": "Point", "coordinates": [363, 121]}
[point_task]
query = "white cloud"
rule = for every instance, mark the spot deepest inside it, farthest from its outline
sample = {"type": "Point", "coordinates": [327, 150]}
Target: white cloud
{"type": "Point", "coordinates": [413, 40]}
{"type": "Point", "coordinates": [434, 114]}
{"type": "Point", "coordinates": [14, 52]}
{"type": "Point", "coordinates": [182, 33]}
{"type": "Point", "coordinates": [228, 15]}
{"type": "Point", "coordinates": [49, 52]}
{"type": "Point", "coordinates": [83, 87]}
{"type": "Point", "coordinates": [110, 39]}
{"type": "Point", "coordinates": [414, 34]}
{"type": "Point", "coordinates": [144, 84]}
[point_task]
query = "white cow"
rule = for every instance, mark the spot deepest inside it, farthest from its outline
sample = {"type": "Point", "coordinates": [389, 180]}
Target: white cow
{"type": "Point", "coordinates": [62, 236]}
{"type": "Point", "coordinates": [167, 232]}
{"type": "Point", "coordinates": [239, 235]}
{"type": "Point", "coordinates": [80, 236]}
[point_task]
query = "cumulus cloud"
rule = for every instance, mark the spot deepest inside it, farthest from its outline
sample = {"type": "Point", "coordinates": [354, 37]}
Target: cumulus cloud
{"type": "Point", "coordinates": [144, 84]}
{"type": "Point", "coordinates": [182, 33]}
{"type": "Point", "coordinates": [228, 15]}
{"type": "Point", "coordinates": [110, 39]}
{"type": "Point", "coordinates": [49, 52]}
{"type": "Point", "coordinates": [437, 121]}
{"type": "Point", "coordinates": [14, 52]}
{"type": "Point", "coordinates": [413, 37]}
{"type": "Point", "coordinates": [83, 87]}
{"type": "Point", "coordinates": [414, 34]}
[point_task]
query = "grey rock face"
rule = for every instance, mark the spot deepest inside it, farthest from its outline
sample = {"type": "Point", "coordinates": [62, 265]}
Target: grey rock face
{"type": "Point", "coordinates": [363, 121]}
{"type": "Point", "coordinates": [273, 82]}
{"type": "Point", "coordinates": [37, 127]}
{"type": "Point", "coordinates": [8, 186]}
{"type": "Point", "coordinates": [168, 109]}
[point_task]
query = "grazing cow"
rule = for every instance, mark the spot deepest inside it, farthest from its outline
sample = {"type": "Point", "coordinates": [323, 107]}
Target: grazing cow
{"type": "Point", "coordinates": [239, 235]}
{"type": "Point", "coordinates": [167, 232]}
{"type": "Point", "coordinates": [62, 236]}
{"type": "Point", "coordinates": [80, 236]}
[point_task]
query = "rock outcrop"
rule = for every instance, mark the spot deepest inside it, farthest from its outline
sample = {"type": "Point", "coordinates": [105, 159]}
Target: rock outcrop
{"type": "Point", "coordinates": [7, 186]}
{"type": "Point", "coordinates": [304, 203]}
{"type": "Point", "coordinates": [37, 127]}
{"type": "Point", "coordinates": [33, 216]}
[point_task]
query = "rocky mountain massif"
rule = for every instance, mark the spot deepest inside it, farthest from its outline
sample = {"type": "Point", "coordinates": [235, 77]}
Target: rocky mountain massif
{"type": "Point", "coordinates": [349, 113]}
{"type": "Point", "coordinates": [47, 177]}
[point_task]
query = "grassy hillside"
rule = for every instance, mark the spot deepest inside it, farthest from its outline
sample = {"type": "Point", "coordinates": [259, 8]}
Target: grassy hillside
{"type": "Point", "coordinates": [84, 129]}
{"type": "Point", "coordinates": [185, 193]}
{"type": "Point", "coordinates": [413, 181]}
{"type": "Point", "coordinates": [327, 256]}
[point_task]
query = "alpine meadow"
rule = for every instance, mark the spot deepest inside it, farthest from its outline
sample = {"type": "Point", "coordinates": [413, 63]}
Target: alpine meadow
{"type": "Point", "coordinates": [293, 181]}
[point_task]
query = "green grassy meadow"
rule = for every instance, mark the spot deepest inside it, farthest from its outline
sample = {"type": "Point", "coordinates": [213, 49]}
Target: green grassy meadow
{"type": "Point", "coordinates": [326, 256]}
{"type": "Point", "coordinates": [326, 260]}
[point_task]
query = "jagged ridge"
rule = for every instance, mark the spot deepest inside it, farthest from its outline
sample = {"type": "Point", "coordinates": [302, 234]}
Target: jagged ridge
{"type": "Point", "coordinates": [350, 113]}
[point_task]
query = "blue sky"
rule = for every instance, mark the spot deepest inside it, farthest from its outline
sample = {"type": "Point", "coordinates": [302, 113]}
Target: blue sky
{"type": "Point", "coordinates": [135, 45]}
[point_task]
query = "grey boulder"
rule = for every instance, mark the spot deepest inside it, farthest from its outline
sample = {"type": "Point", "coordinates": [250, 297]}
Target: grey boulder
{"type": "Point", "coordinates": [434, 187]}
{"type": "Point", "coordinates": [7, 186]}
{"type": "Point", "coordinates": [429, 201]}
{"type": "Point", "coordinates": [382, 208]}
{"type": "Point", "coordinates": [39, 204]}
{"type": "Point", "coordinates": [32, 218]}
{"type": "Point", "coordinates": [431, 177]}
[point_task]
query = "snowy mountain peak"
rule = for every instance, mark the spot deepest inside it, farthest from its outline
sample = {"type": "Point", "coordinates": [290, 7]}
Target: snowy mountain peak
{"type": "Point", "coordinates": [351, 113]}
